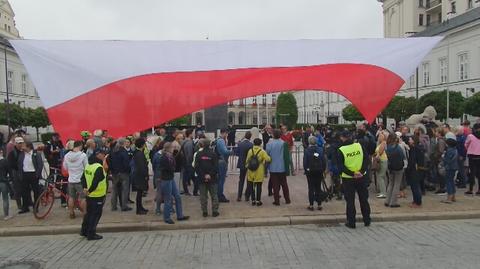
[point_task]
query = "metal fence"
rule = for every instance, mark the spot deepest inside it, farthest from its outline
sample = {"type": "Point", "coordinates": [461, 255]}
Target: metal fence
{"type": "Point", "coordinates": [297, 159]}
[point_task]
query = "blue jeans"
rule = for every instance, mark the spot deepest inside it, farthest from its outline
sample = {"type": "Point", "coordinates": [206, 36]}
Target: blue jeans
{"type": "Point", "coordinates": [169, 189]}
{"type": "Point", "coordinates": [415, 180]}
{"type": "Point", "coordinates": [450, 181]}
{"type": "Point", "coordinates": [222, 174]}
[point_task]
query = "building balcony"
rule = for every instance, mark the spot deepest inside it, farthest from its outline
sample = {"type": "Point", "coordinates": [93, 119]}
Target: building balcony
{"type": "Point", "coordinates": [433, 6]}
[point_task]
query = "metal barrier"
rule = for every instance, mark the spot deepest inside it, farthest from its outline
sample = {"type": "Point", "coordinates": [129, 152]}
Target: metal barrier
{"type": "Point", "coordinates": [297, 158]}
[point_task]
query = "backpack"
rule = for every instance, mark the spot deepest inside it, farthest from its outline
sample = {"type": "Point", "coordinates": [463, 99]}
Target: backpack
{"type": "Point", "coordinates": [371, 145]}
{"type": "Point", "coordinates": [316, 163]}
{"type": "Point", "coordinates": [395, 159]}
{"type": "Point", "coordinates": [213, 147]}
{"type": "Point", "coordinates": [254, 162]}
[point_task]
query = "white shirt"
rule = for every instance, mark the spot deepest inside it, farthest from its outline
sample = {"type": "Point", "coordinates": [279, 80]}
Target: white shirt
{"type": "Point", "coordinates": [28, 163]}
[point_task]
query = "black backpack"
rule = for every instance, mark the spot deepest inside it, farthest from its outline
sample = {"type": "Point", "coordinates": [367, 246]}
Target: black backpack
{"type": "Point", "coordinates": [254, 162]}
{"type": "Point", "coordinates": [315, 162]}
{"type": "Point", "coordinates": [395, 159]}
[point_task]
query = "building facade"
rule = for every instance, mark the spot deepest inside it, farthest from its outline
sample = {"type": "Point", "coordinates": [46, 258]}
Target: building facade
{"type": "Point", "coordinates": [453, 64]}
{"type": "Point", "coordinates": [258, 110]}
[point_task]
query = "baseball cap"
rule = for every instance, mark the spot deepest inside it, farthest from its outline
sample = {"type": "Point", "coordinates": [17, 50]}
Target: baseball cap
{"type": "Point", "coordinates": [19, 140]}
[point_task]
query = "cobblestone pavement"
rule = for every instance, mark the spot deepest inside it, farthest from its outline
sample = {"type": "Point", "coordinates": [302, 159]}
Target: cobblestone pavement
{"type": "Point", "coordinates": [434, 244]}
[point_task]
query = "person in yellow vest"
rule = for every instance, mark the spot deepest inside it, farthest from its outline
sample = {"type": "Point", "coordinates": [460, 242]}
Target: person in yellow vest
{"type": "Point", "coordinates": [353, 165]}
{"type": "Point", "coordinates": [94, 181]}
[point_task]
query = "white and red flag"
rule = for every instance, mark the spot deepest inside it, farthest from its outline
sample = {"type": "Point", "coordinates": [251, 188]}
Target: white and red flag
{"type": "Point", "coordinates": [126, 86]}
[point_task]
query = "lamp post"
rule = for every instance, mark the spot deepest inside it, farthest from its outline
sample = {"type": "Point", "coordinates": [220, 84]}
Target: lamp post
{"type": "Point", "coordinates": [7, 101]}
{"type": "Point", "coordinates": [472, 90]}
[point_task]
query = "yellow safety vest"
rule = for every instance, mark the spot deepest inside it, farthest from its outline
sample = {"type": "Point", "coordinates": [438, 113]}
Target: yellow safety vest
{"type": "Point", "coordinates": [353, 158]}
{"type": "Point", "coordinates": [101, 189]}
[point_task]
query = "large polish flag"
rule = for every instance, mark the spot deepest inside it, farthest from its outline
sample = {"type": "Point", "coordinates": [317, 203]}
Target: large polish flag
{"type": "Point", "coordinates": [127, 86]}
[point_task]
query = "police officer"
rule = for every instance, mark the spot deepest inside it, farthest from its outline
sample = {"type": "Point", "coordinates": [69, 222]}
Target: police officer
{"type": "Point", "coordinates": [352, 166]}
{"type": "Point", "coordinates": [94, 181]}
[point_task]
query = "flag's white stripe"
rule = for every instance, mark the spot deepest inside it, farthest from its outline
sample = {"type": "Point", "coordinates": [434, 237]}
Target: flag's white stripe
{"type": "Point", "coordinates": [62, 70]}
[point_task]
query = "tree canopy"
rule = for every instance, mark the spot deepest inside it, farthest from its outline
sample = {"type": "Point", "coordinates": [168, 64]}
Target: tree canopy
{"type": "Point", "coordinates": [438, 99]}
{"type": "Point", "coordinates": [287, 111]}
{"type": "Point", "coordinates": [350, 113]}
{"type": "Point", "coordinates": [17, 115]}
{"type": "Point", "coordinates": [472, 105]}
{"type": "Point", "coordinates": [400, 108]}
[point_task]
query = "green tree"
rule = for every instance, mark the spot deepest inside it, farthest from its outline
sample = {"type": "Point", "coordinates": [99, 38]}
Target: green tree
{"type": "Point", "coordinates": [350, 113]}
{"type": "Point", "coordinates": [17, 115]}
{"type": "Point", "coordinates": [438, 99]}
{"type": "Point", "coordinates": [400, 108]}
{"type": "Point", "coordinates": [472, 105]}
{"type": "Point", "coordinates": [287, 111]}
{"type": "Point", "coordinates": [37, 118]}
{"type": "Point", "coordinates": [182, 121]}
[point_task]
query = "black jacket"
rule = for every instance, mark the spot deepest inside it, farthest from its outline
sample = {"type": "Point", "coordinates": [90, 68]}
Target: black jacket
{"type": "Point", "coordinates": [140, 175]}
{"type": "Point", "coordinates": [120, 162]}
{"type": "Point", "coordinates": [3, 170]}
{"type": "Point", "coordinates": [206, 163]}
{"type": "Point", "coordinates": [37, 163]}
{"type": "Point", "coordinates": [167, 166]}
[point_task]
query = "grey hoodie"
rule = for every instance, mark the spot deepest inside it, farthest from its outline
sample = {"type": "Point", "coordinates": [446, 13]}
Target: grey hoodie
{"type": "Point", "coordinates": [75, 163]}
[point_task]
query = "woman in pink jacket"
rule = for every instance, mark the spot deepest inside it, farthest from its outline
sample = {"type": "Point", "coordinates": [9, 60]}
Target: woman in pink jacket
{"type": "Point", "coordinates": [472, 144]}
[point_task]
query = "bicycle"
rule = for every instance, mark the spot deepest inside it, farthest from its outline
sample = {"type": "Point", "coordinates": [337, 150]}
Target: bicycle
{"type": "Point", "coordinates": [43, 205]}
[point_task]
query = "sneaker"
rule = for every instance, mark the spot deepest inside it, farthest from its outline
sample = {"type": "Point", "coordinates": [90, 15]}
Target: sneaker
{"type": "Point", "coordinates": [367, 223]}
{"type": "Point", "coordinates": [254, 203]}
{"type": "Point", "coordinates": [215, 214]}
{"type": "Point", "coordinates": [183, 218]}
{"type": "Point", "coordinates": [275, 203]}
{"type": "Point", "coordinates": [441, 192]}
{"type": "Point", "coordinates": [319, 207]}
{"type": "Point", "coordinates": [169, 221]}
{"type": "Point", "coordinates": [468, 192]}
{"type": "Point", "coordinates": [310, 208]}
{"type": "Point", "coordinates": [259, 203]}
{"type": "Point", "coordinates": [349, 225]}
{"type": "Point", "coordinates": [7, 217]}
{"type": "Point", "coordinates": [23, 211]}
{"type": "Point", "coordinates": [94, 237]}
{"type": "Point", "coordinates": [395, 206]}
{"type": "Point", "coordinates": [224, 200]}
{"type": "Point", "coordinates": [126, 209]}
{"type": "Point", "coordinates": [381, 196]}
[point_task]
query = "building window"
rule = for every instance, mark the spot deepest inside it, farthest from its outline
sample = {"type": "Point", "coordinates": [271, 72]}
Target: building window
{"type": "Point", "coordinates": [463, 66]}
{"type": "Point", "coordinates": [420, 19]}
{"type": "Point", "coordinates": [241, 118]}
{"type": "Point", "coordinates": [255, 119]}
{"type": "Point", "coordinates": [199, 118]}
{"type": "Point", "coordinates": [264, 117]}
{"type": "Point", "coordinates": [454, 7]}
{"type": "Point", "coordinates": [254, 102]}
{"type": "Point", "coordinates": [470, 4]}
{"type": "Point", "coordinates": [420, 3]}
{"type": "Point", "coordinates": [231, 117]}
{"type": "Point", "coordinates": [9, 29]}
{"type": "Point", "coordinates": [242, 102]}
{"type": "Point", "coordinates": [429, 20]}
{"type": "Point", "coordinates": [443, 70]}
{"type": "Point", "coordinates": [264, 99]}
{"type": "Point", "coordinates": [10, 81]}
{"type": "Point", "coordinates": [274, 99]}
{"type": "Point", "coordinates": [426, 74]}
{"type": "Point", "coordinates": [5, 26]}
{"type": "Point", "coordinates": [412, 81]}
{"type": "Point", "coordinates": [24, 84]}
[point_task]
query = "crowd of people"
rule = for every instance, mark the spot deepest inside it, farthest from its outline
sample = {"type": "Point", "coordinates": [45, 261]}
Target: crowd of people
{"type": "Point", "coordinates": [425, 158]}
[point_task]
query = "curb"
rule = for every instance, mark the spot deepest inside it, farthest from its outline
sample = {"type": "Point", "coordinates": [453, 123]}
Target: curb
{"type": "Point", "coordinates": [323, 220]}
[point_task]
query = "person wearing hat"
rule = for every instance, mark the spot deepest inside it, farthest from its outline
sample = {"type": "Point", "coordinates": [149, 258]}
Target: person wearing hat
{"type": "Point", "coordinates": [450, 163]}
{"type": "Point", "coordinates": [12, 159]}
{"type": "Point", "coordinates": [94, 182]}
{"type": "Point", "coordinates": [353, 163]}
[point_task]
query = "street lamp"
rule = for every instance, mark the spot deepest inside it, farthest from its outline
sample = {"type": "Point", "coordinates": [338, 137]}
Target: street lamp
{"type": "Point", "coordinates": [472, 90]}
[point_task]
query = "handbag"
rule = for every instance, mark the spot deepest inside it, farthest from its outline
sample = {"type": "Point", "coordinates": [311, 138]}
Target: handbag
{"type": "Point", "coordinates": [376, 163]}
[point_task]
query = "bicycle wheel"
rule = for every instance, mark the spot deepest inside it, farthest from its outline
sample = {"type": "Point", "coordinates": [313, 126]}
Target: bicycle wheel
{"type": "Point", "coordinates": [44, 204]}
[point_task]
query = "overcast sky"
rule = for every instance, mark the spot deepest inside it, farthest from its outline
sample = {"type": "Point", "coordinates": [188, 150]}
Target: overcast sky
{"type": "Point", "coordinates": [197, 19]}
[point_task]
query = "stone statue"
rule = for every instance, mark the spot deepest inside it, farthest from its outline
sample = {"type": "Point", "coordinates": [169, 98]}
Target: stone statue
{"type": "Point", "coordinates": [428, 114]}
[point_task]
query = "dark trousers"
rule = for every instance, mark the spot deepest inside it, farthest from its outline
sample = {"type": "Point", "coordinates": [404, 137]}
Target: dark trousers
{"type": "Point", "coordinates": [415, 179]}
{"type": "Point", "coordinates": [241, 184]}
{"type": "Point", "coordinates": [350, 186]}
{"type": "Point", "coordinates": [187, 178]}
{"type": "Point", "coordinates": [255, 190]}
{"type": "Point", "coordinates": [138, 200]}
{"type": "Point", "coordinates": [474, 166]}
{"type": "Point", "coordinates": [93, 215]}
{"type": "Point", "coordinates": [314, 188]}
{"type": "Point", "coordinates": [270, 187]}
{"type": "Point", "coordinates": [279, 180]}
{"type": "Point", "coordinates": [30, 183]}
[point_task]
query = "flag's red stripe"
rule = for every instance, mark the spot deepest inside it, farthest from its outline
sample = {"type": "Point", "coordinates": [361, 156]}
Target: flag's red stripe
{"type": "Point", "coordinates": [141, 102]}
